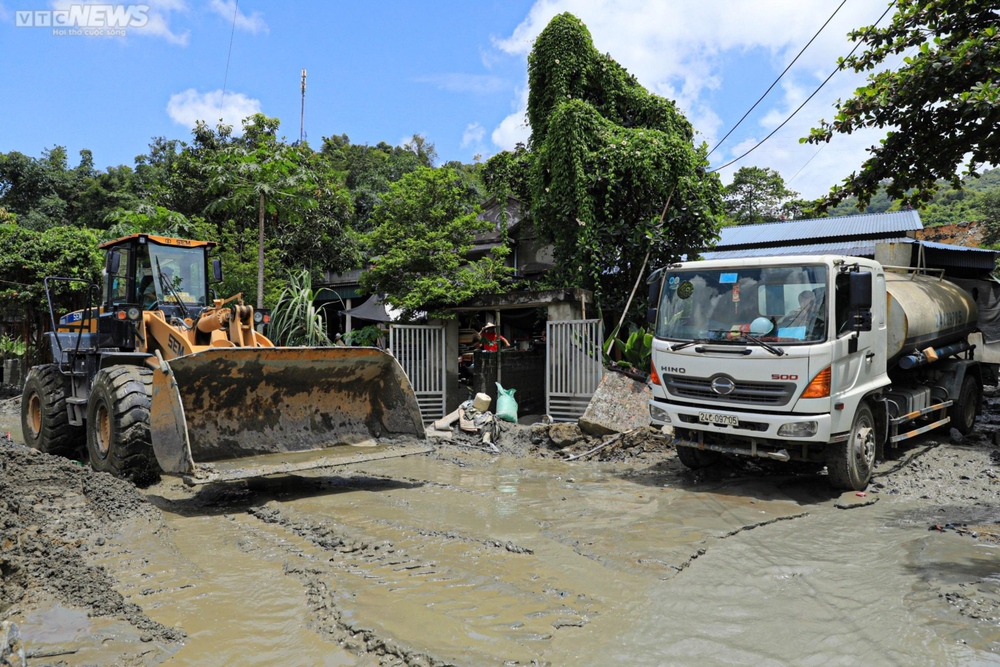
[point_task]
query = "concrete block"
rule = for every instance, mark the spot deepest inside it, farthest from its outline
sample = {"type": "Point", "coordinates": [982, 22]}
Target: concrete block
{"type": "Point", "coordinates": [620, 404]}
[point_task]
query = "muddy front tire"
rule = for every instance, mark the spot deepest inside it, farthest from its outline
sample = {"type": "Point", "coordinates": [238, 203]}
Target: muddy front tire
{"type": "Point", "coordinates": [44, 420]}
{"type": "Point", "coordinates": [118, 439]}
{"type": "Point", "coordinates": [963, 411]}
{"type": "Point", "coordinates": [850, 463]}
{"type": "Point", "coordinates": [696, 458]}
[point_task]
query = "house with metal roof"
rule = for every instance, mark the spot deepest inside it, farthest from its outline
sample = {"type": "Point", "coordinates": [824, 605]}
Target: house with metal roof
{"type": "Point", "coordinates": [855, 236]}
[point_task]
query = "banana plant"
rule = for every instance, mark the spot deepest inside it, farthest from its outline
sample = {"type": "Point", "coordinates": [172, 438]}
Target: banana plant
{"type": "Point", "coordinates": [635, 351]}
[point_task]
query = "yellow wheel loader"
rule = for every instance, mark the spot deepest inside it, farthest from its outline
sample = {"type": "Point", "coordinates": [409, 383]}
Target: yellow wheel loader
{"type": "Point", "coordinates": [161, 376]}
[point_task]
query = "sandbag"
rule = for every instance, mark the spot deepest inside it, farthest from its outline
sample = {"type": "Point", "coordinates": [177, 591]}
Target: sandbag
{"type": "Point", "coordinates": [506, 405]}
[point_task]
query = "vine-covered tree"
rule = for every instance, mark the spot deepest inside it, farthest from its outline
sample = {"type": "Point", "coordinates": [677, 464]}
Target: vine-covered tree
{"type": "Point", "coordinates": [757, 194]}
{"type": "Point", "coordinates": [422, 230]}
{"type": "Point", "coordinates": [608, 156]}
{"type": "Point", "coordinates": [941, 106]}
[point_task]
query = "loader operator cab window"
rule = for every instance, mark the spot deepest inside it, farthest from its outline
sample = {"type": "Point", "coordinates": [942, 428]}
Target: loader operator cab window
{"type": "Point", "coordinates": [176, 276]}
{"type": "Point", "coordinates": [117, 283]}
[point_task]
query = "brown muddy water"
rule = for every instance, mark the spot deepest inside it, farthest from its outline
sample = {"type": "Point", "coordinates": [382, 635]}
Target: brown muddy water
{"type": "Point", "coordinates": [463, 558]}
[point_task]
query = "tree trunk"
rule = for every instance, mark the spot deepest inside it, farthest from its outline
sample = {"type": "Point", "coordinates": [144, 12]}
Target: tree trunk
{"type": "Point", "coordinates": [260, 255]}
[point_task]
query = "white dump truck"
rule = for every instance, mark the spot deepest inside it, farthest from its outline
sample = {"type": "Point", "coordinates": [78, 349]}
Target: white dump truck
{"type": "Point", "coordinates": [826, 359]}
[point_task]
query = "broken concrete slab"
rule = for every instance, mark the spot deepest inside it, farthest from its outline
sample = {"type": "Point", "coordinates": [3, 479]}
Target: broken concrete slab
{"type": "Point", "coordinates": [620, 404]}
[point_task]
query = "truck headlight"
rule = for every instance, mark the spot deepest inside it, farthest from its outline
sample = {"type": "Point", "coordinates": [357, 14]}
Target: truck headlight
{"type": "Point", "coordinates": [798, 430]}
{"type": "Point", "coordinates": [659, 414]}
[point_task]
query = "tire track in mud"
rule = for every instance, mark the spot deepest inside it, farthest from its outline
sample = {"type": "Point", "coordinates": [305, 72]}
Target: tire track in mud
{"type": "Point", "coordinates": [471, 587]}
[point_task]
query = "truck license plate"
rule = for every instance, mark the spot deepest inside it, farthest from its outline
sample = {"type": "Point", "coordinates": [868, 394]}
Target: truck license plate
{"type": "Point", "coordinates": [712, 418]}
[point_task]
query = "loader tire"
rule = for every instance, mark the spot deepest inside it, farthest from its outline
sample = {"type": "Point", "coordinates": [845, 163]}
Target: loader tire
{"type": "Point", "coordinates": [44, 420]}
{"type": "Point", "coordinates": [850, 464]}
{"type": "Point", "coordinates": [118, 439]}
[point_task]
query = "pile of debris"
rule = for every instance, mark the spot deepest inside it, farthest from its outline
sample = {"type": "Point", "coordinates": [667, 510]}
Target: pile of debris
{"type": "Point", "coordinates": [567, 441]}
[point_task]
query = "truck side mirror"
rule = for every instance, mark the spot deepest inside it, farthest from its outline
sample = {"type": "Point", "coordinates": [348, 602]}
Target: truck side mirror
{"type": "Point", "coordinates": [114, 263]}
{"type": "Point", "coordinates": [860, 301]}
{"type": "Point", "coordinates": [655, 284]}
{"type": "Point", "coordinates": [217, 270]}
{"type": "Point", "coordinates": [861, 291]}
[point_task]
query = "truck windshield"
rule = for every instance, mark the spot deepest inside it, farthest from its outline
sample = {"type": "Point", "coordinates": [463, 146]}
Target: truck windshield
{"type": "Point", "coordinates": [782, 304]}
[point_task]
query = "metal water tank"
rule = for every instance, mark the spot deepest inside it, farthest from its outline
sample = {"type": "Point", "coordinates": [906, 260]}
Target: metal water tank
{"type": "Point", "coordinates": [925, 311]}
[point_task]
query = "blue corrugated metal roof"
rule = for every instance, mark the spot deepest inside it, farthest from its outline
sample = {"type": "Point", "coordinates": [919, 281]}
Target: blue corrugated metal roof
{"type": "Point", "coordinates": [849, 248]}
{"type": "Point", "coordinates": [891, 224]}
{"type": "Point", "coordinates": [978, 258]}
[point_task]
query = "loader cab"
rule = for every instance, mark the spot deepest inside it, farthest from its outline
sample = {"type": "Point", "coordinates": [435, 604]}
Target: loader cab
{"type": "Point", "coordinates": [157, 273]}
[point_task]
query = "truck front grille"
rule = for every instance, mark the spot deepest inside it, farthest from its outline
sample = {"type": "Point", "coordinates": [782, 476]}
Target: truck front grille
{"type": "Point", "coordinates": [743, 393]}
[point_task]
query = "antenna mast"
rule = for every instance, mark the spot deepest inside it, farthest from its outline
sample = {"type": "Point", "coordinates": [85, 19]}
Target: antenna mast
{"type": "Point", "coordinates": [302, 116]}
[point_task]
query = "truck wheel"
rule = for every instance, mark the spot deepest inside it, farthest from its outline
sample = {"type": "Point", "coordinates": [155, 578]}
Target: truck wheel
{"type": "Point", "coordinates": [696, 458]}
{"type": "Point", "coordinates": [44, 420]}
{"type": "Point", "coordinates": [118, 439]}
{"type": "Point", "coordinates": [850, 463]}
{"type": "Point", "coordinates": [963, 411]}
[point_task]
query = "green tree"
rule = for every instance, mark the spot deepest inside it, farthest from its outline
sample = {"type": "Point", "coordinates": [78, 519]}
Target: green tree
{"type": "Point", "coordinates": [941, 105]}
{"type": "Point", "coordinates": [262, 172]}
{"type": "Point", "coordinates": [424, 227]}
{"type": "Point", "coordinates": [988, 206]}
{"type": "Point", "coordinates": [27, 257]}
{"type": "Point", "coordinates": [368, 171]}
{"type": "Point", "coordinates": [607, 157]}
{"type": "Point", "coordinates": [757, 194]}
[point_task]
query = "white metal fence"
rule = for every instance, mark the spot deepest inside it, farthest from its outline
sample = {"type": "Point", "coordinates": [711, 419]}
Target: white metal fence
{"type": "Point", "coordinates": [573, 367]}
{"type": "Point", "coordinates": [420, 350]}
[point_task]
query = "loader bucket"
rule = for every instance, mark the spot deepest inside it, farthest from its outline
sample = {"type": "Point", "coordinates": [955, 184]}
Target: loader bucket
{"type": "Point", "coordinates": [238, 412]}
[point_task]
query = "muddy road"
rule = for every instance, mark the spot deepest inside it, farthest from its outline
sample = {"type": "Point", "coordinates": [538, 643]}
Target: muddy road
{"type": "Point", "coordinates": [465, 557]}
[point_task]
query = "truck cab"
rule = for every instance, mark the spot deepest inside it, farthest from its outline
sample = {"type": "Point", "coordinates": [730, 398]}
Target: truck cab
{"type": "Point", "coordinates": [771, 357]}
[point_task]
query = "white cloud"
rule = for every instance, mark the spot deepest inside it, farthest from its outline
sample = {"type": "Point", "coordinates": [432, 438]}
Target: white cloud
{"type": "Point", "coordinates": [157, 17]}
{"type": "Point", "coordinates": [513, 129]}
{"type": "Point", "coordinates": [473, 135]}
{"type": "Point", "coordinates": [685, 51]}
{"type": "Point", "coordinates": [254, 23]}
{"type": "Point", "coordinates": [190, 106]}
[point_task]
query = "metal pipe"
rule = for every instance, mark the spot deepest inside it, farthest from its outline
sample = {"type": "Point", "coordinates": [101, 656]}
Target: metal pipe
{"type": "Point", "coordinates": [931, 355]}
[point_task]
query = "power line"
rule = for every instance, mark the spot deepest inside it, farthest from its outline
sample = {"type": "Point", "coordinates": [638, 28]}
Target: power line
{"type": "Point", "coordinates": [785, 71]}
{"type": "Point", "coordinates": [229, 55]}
{"type": "Point", "coordinates": [799, 108]}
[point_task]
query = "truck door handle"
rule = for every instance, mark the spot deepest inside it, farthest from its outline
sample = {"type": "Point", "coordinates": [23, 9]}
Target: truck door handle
{"type": "Point", "coordinates": [869, 356]}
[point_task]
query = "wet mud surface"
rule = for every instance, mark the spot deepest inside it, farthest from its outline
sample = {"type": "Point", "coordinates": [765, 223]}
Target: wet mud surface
{"type": "Point", "coordinates": [471, 557]}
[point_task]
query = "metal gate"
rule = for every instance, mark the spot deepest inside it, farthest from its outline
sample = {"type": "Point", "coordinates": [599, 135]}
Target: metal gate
{"type": "Point", "coordinates": [420, 350]}
{"type": "Point", "coordinates": [573, 367]}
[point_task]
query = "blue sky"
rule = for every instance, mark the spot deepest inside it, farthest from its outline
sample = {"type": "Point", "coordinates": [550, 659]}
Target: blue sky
{"type": "Point", "coordinates": [453, 71]}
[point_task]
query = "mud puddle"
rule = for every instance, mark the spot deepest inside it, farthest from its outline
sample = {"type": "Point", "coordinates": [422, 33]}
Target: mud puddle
{"type": "Point", "coordinates": [501, 560]}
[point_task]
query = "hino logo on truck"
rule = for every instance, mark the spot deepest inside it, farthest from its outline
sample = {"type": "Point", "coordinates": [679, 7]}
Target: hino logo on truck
{"type": "Point", "coordinates": [673, 369]}
{"type": "Point", "coordinates": [723, 385]}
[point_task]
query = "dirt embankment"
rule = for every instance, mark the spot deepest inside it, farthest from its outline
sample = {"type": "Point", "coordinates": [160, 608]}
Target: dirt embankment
{"type": "Point", "coordinates": [55, 518]}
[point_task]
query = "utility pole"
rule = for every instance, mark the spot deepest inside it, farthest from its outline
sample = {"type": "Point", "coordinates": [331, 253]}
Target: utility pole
{"type": "Point", "coordinates": [302, 116]}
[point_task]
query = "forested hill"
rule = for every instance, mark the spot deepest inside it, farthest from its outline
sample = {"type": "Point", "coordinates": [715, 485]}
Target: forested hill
{"type": "Point", "coordinates": [949, 206]}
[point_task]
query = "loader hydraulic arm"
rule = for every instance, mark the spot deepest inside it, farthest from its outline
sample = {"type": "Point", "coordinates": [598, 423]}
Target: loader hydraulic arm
{"type": "Point", "coordinates": [215, 327]}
